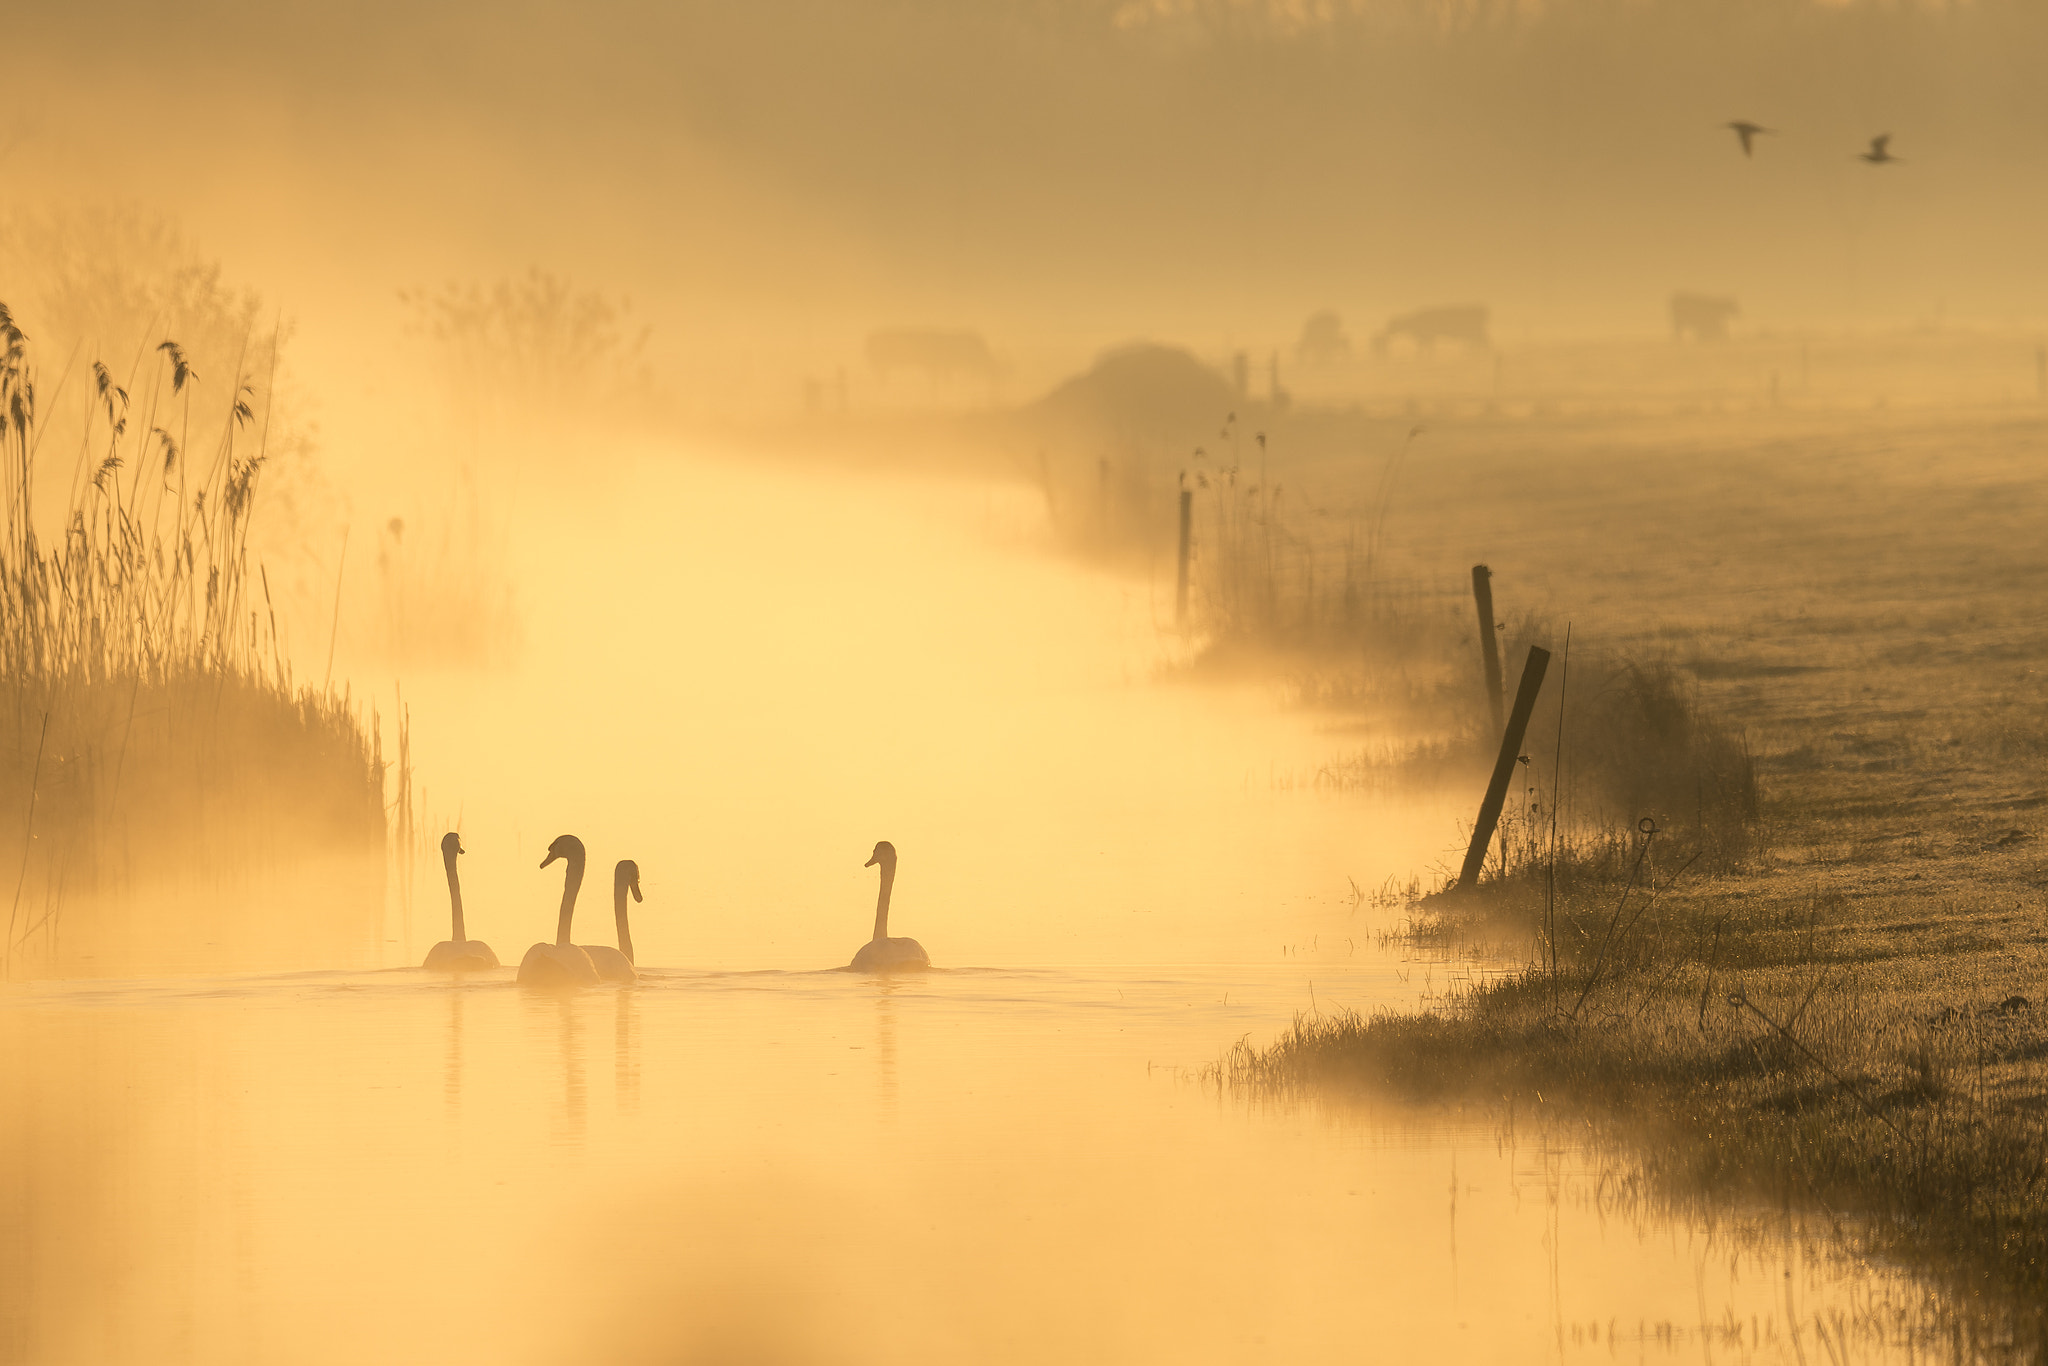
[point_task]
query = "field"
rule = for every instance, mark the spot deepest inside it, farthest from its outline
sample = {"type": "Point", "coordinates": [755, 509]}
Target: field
{"type": "Point", "coordinates": [1852, 1012]}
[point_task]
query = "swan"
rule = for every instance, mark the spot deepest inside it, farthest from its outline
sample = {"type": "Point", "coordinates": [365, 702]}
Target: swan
{"type": "Point", "coordinates": [457, 953]}
{"type": "Point", "coordinates": [616, 964]}
{"type": "Point", "coordinates": [883, 954]}
{"type": "Point", "coordinates": [561, 964]}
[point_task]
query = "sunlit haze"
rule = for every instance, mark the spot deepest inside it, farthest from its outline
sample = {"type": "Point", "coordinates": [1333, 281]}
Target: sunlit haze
{"type": "Point", "coordinates": [976, 580]}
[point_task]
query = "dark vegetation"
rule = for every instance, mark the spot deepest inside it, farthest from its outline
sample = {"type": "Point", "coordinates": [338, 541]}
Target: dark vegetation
{"type": "Point", "coordinates": [155, 735]}
{"type": "Point", "coordinates": [536, 348]}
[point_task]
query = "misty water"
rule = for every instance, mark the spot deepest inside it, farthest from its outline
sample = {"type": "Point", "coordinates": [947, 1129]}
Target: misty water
{"type": "Point", "coordinates": [312, 1151]}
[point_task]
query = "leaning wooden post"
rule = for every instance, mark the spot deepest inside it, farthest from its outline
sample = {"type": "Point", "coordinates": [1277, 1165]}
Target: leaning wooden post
{"type": "Point", "coordinates": [1504, 767]}
{"type": "Point", "coordinates": [1187, 524]}
{"type": "Point", "coordinates": [1489, 647]}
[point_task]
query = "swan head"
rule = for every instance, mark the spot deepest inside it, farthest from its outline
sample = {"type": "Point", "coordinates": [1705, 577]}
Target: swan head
{"type": "Point", "coordinates": [565, 846]}
{"type": "Point", "coordinates": [451, 845]}
{"type": "Point", "coordinates": [885, 854]}
{"type": "Point", "coordinates": [627, 877]}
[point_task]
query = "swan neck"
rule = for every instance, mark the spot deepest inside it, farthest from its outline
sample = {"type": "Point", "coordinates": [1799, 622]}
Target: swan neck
{"type": "Point", "coordinates": [454, 896]}
{"type": "Point", "coordinates": [571, 884]}
{"type": "Point", "coordinates": [882, 901]}
{"type": "Point", "coordinates": [619, 913]}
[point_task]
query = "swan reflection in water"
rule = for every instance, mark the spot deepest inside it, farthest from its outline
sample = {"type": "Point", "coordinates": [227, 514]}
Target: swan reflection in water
{"type": "Point", "coordinates": [626, 1050]}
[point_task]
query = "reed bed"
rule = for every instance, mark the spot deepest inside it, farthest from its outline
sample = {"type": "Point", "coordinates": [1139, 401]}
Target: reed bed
{"type": "Point", "coordinates": [155, 733]}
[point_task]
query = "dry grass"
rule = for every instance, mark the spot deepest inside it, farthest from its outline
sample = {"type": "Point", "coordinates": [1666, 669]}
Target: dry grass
{"type": "Point", "coordinates": [1835, 718]}
{"type": "Point", "coordinates": [153, 726]}
{"type": "Point", "coordinates": [1775, 1036]}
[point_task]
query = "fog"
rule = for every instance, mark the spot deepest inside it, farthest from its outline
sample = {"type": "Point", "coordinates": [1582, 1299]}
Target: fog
{"type": "Point", "coordinates": [1053, 437]}
{"type": "Point", "coordinates": [779, 178]}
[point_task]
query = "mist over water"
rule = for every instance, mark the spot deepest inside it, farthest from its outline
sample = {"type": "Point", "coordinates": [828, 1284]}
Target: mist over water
{"type": "Point", "coordinates": [737, 435]}
{"type": "Point", "coordinates": [800, 669]}
{"type": "Point", "coordinates": [744, 1158]}
{"type": "Point", "coordinates": [778, 1167]}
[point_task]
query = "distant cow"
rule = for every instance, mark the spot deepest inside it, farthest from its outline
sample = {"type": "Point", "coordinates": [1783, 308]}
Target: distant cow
{"type": "Point", "coordinates": [942, 357]}
{"type": "Point", "coordinates": [1703, 317]}
{"type": "Point", "coordinates": [1429, 326]}
{"type": "Point", "coordinates": [1323, 340]}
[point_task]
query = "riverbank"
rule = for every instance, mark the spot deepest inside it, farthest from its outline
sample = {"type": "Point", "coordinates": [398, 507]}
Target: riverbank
{"type": "Point", "coordinates": [1856, 1022]}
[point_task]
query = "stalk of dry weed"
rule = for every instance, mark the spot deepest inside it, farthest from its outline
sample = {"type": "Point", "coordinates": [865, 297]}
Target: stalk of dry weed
{"type": "Point", "coordinates": [170, 733]}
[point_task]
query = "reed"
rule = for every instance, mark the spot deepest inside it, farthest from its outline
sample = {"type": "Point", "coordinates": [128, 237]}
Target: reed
{"type": "Point", "coordinates": [153, 727]}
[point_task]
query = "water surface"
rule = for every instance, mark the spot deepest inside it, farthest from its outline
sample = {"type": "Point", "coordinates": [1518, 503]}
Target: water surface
{"type": "Point", "coordinates": [279, 1150]}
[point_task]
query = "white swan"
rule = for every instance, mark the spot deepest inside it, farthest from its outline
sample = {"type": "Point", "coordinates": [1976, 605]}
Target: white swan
{"type": "Point", "coordinates": [883, 954]}
{"type": "Point", "coordinates": [616, 964]}
{"type": "Point", "coordinates": [561, 964]}
{"type": "Point", "coordinates": [458, 952]}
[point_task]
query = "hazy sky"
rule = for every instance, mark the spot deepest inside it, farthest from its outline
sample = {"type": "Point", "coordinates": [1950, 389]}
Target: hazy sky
{"type": "Point", "coordinates": [789, 167]}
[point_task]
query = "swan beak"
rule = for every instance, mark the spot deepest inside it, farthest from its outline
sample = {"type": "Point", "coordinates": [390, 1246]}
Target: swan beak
{"type": "Point", "coordinates": [872, 861]}
{"type": "Point", "coordinates": [552, 856]}
{"type": "Point", "coordinates": [635, 887]}
{"type": "Point", "coordinates": [459, 849]}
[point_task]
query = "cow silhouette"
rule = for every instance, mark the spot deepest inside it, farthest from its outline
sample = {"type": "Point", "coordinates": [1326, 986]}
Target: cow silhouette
{"type": "Point", "coordinates": [944, 358]}
{"type": "Point", "coordinates": [1703, 317]}
{"type": "Point", "coordinates": [1428, 328]}
{"type": "Point", "coordinates": [1323, 339]}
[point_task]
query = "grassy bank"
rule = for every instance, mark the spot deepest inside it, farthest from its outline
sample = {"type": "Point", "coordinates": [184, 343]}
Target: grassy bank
{"type": "Point", "coordinates": [1838, 996]}
{"type": "Point", "coordinates": [154, 746]}
{"type": "Point", "coordinates": [1851, 1013]}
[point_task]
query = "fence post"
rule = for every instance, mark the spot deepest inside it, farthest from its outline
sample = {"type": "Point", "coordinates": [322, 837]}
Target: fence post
{"type": "Point", "coordinates": [1187, 523]}
{"type": "Point", "coordinates": [1489, 647]}
{"type": "Point", "coordinates": [1504, 767]}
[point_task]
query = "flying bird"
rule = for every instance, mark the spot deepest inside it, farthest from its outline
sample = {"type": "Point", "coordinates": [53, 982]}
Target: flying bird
{"type": "Point", "coordinates": [1748, 131]}
{"type": "Point", "coordinates": [1880, 150]}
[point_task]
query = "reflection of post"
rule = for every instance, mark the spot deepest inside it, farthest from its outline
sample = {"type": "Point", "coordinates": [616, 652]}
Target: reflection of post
{"type": "Point", "coordinates": [626, 1051]}
{"type": "Point", "coordinates": [885, 1048]}
{"type": "Point", "coordinates": [1187, 522]}
{"type": "Point", "coordinates": [1102, 507]}
{"type": "Point", "coordinates": [1504, 767]}
{"type": "Point", "coordinates": [1489, 647]}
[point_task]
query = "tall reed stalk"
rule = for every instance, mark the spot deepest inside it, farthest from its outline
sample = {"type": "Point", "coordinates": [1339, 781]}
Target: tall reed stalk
{"type": "Point", "coordinates": [137, 634]}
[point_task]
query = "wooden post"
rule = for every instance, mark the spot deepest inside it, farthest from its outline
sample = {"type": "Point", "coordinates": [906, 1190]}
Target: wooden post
{"type": "Point", "coordinates": [1489, 647]}
{"type": "Point", "coordinates": [1504, 767]}
{"type": "Point", "coordinates": [1187, 524]}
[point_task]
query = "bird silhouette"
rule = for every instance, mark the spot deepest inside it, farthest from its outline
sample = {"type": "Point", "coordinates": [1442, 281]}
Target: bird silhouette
{"type": "Point", "coordinates": [457, 953]}
{"type": "Point", "coordinates": [616, 964]}
{"type": "Point", "coordinates": [1880, 150]}
{"type": "Point", "coordinates": [881, 953]}
{"type": "Point", "coordinates": [561, 964]}
{"type": "Point", "coordinates": [1747, 132]}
